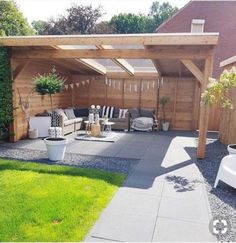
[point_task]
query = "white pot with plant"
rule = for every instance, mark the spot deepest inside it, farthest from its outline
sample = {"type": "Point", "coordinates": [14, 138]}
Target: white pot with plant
{"type": "Point", "coordinates": [165, 124]}
{"type": "Point", "coordinates": [49, 84]}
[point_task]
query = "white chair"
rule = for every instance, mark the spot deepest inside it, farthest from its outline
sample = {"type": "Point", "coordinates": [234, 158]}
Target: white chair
{"type": "Point", "coordinates": [227, 171]}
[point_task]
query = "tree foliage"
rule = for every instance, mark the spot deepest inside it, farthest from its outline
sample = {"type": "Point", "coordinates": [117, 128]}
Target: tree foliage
{"type": "Point", "coordinates": [219, 91]}
{"type": "Point", "coordinates": [128, 23]}
{"type": "Point", "coordinates": [12, 21]}
{"type": "Point", "coordinates": [84, 20]}
{"type": "Point", "coordinates": [79, 19]}
{"type": "Point", "coordinates": [49, 84]}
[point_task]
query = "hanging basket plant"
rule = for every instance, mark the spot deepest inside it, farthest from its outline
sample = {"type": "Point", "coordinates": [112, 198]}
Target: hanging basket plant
{"type": "Point", "coordinates": [221, 91]}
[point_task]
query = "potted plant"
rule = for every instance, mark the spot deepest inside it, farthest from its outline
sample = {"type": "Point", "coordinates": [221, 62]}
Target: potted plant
{"type": "Point", "coordinates": [49, 84]}
{"type": "Point", "coordinates": [163, 101]}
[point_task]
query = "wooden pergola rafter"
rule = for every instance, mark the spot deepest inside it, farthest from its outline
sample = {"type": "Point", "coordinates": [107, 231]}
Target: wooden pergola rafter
{"type": "Point", "coordinates": [183, 47]}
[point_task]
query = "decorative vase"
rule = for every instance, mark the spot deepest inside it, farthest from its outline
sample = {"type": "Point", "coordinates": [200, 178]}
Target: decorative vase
{"type": "Point", "coordinates": [91, 118]}
{"type": "Point", "coordinates": [96, 118]}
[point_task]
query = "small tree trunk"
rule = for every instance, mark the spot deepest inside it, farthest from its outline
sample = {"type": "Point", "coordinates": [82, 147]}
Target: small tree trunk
{"type": "Point", "coordinates": [50, 96]}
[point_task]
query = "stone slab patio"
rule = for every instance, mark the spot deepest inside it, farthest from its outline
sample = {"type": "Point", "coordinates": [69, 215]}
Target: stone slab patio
{"type": "Point", "coordinates": [163, 198]}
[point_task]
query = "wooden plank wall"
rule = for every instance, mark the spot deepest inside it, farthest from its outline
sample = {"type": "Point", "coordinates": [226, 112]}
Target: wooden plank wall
{"type": "Point", "coordinates": [181, 111]}
{"type": "Point", "coordinates": [38, 103]}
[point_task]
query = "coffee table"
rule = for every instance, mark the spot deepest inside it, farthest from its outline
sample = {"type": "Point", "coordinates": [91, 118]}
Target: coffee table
{"type": "Point", "coordinates": [107, 126]}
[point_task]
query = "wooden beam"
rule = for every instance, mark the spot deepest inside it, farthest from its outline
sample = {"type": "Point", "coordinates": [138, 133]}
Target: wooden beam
{"type": "Point", "coordinates": [137, 75]}
{"type": "Point", "coordinates": [192, 67]}
{"type": "Point", "coordinates": [204, 111]}
{"type": "Point", "coordinates": [111, 54]}
{"type": "Point", "coordinates": [124, 39]}
{"type": "Point", "coordinates": [120, 62]}
{"type": "Point", "coordinates": [19, 69]}
{"type": "Point", "coordinates": [92, 64]}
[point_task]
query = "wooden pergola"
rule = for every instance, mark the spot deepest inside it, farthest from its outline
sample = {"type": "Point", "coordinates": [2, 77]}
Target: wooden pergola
{"type": "Point", "coordinates": [80, 53]}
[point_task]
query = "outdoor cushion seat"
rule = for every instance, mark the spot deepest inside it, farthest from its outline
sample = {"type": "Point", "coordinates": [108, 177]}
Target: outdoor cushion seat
{"type": "Point", "coordinates": [142, 124]}
{"type": "Point", "coordinates": [78, 119]}
{"type": "Point", "coordinates": [69, 122]}
{"type": "Point", "coordinates": [227, 171]}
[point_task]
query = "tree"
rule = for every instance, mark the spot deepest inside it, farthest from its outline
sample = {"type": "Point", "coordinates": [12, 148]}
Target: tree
{"type": "Point", "coordinates": [160, 12]}
{"type": "Point", "coordinates": [128, 23]}
{"type": "Point", "coordinates": [78, 20]}
{"type": "Point", "coordinates": [12, 21]}
{"type": "Point", "coordinates": [40, 26]}
{"type": "Point", "coordinates": [103, 27]}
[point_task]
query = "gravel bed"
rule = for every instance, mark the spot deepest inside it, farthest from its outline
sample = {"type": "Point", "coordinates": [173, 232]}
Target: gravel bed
{"type": "Point", "coordinates": [223, 198]}
{"type": "Point", "coordinates": [111, 164]}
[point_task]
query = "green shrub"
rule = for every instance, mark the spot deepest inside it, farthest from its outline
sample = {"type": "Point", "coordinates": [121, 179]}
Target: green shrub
{"type": "Point", "coordinates": [6, 107]}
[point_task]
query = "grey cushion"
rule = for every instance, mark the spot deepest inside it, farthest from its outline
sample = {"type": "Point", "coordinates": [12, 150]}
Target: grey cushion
{"type": "Point", "coordinates": [147, 113]}
{"type": "Point", "coordinates": [134, 113]}
{"type": "Point", "coordinates": [142, 124]}
{"type": "Point", "coordinates": [70, 113]}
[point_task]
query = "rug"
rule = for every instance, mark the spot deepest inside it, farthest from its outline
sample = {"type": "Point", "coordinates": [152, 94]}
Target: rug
{"type": "Point", "coordinates": [109, 137]}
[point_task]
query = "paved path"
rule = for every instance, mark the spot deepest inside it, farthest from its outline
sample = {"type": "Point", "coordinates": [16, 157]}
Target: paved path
{"type": "Point", "coordinates": [164, 198]}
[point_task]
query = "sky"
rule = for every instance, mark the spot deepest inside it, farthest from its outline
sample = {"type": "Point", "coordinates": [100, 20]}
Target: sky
{"type": "Point", "coordinates": [44, 9]}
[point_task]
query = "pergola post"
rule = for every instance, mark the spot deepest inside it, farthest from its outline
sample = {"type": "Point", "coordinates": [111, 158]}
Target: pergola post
{"type": "Point", "coordinates": [204, 111]}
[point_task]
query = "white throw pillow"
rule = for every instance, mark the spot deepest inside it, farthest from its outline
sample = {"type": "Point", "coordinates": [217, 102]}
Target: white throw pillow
{"type": "Point", "coordinates": [70, 113]}
{"type": "Point", "coordinates": [122, 113]}
{"type": "Point", "coordinates": [61, 113]}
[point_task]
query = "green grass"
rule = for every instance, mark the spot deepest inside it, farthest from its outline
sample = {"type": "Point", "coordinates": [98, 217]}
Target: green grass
{"type": "Point", "coordinates": [51, 203]}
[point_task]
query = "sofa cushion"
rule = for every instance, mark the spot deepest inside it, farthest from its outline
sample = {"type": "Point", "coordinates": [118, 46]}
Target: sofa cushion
{"type": "Point", "coordinates": [81, 112]}
{"type": "Point", "coordinates": [69, 122]}
{"type": "Point", "coordinates": [147, 113]}
{"type": "Point", "coordinates": [117, 120]}
{"type": "Point", "coordinates": [78, 119]}
{"type": "Point", "coordinates": [61, 113]}
{"type": "Point", "coordinates": [107, 111]}
{"type": "Point", "coordinates": [134, 113]}
{"type": "Point", "coordinates": [122, 113]}
{"type": "Point", "coordinates": [70, 113]}
{"type": "Point", "coordinates": [116, 112]}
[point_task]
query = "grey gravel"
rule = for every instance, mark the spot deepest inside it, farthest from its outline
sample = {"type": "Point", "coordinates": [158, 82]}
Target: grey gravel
{"type": "Point", "coordinates": [111, 164]}
{"type": "Point", "coordinates": [223, 198]}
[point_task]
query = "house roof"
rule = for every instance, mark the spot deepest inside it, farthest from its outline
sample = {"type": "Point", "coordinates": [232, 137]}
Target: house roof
{"type": "Point", "coordinates": [219, 17]}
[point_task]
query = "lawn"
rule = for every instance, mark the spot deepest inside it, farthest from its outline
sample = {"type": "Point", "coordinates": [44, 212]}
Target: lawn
{"type": "Point", "coordinates": [40, 202]}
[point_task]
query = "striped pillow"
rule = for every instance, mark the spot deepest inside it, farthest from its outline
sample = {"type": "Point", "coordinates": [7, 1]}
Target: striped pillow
{"type": "Point", "coordinates": [122, 113]}
{"type": "Point", "coordinates": [107, 111]}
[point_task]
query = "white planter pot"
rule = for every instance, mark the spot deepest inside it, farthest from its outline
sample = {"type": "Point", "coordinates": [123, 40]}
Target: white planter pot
{"type": "Point", "coordinates": [165, 126]}
{"type": "Point", "coordinates": [33, 134]}
{"type": "Point", "coordinates": [231, 148]}
{"type": "Point", "coordinates": [56, 148]}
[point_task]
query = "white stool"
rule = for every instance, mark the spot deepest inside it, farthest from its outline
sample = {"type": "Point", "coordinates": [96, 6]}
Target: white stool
{"type": "Point", "coordinates": [54, 132]}
{"type": "Point", "coordinates": [227, 171]}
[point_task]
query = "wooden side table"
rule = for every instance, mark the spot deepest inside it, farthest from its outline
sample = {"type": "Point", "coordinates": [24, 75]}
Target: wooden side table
{"type": "Point", "coordinates": [95, 130]}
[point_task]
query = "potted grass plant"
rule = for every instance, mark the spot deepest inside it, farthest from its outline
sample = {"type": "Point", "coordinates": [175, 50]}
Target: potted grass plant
{"type": "Point", "coordinates": [50, 84]}
{"type": "Point", "coordinates": [163, 102]}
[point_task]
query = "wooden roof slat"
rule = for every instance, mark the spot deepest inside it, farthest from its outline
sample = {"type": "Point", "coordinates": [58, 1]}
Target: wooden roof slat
{"type": "Point", "coordinates": [92, 64]}
{"type": "Point", "coordinates": [125, 39]}
{"type": "Point", "coordinates": [118, 61]}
